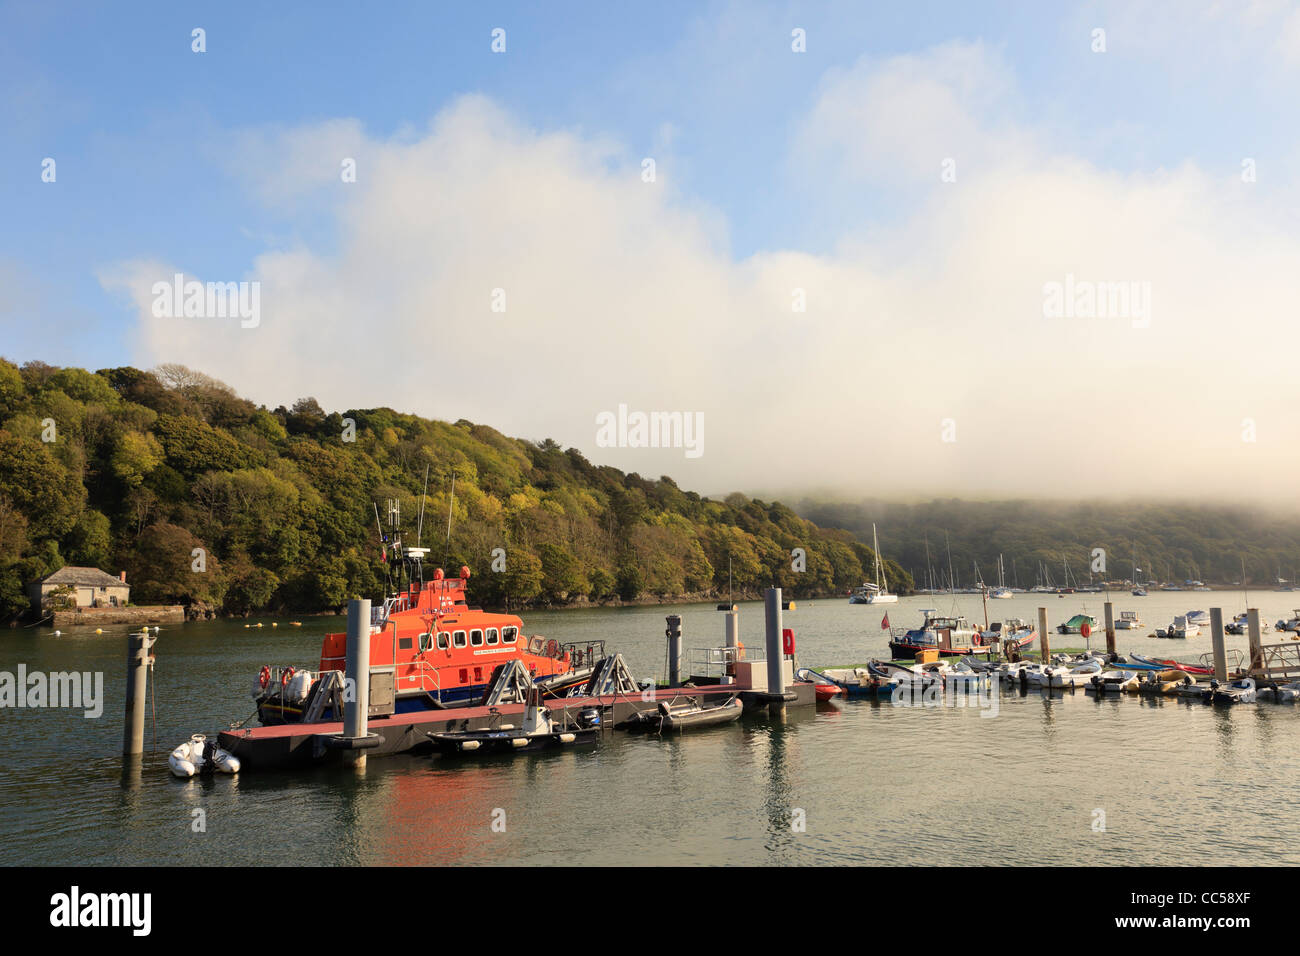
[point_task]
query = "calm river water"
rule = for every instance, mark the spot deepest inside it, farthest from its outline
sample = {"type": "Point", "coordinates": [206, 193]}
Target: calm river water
{"type": "Point", "coordinates": [1049, 779]}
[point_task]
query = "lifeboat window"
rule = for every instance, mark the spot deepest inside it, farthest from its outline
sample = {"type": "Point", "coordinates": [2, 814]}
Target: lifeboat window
{"type": "Point", "coordinates": [508, 634]}
{"type": "Point", "coordinates": [459, 639]}
{"type": "Point", "coordinates": [476, 638]}
{"type": "Point", "coordinates": [426, 641]}
{"type": "Point", "coordinates": [444, 640]}
{"type": "Point", "coordinates": [491, 635]}
{"type": "Point", "coordinates": [405, 643]}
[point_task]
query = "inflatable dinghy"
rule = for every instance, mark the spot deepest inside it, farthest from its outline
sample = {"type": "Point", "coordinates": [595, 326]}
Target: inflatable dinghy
{"type": "Point", "coordinates": [197, 756]}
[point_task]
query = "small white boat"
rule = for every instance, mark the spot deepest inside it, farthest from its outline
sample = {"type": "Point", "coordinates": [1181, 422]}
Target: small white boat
{"type": "Point", "coordinates": [1011, 670]}
{"type": "Point", "coordinates": [1237, 692]}
{"type": "Point", "coordinates": [197, 756]}
{"type": "Point", "coordinates": [1115, 682]}
{"type": "Point", "coordinates": [1193, 690]}
{"type": "Point", "coordinates": [1281, 693]}
{"type": "Point", "coordinates": [1077, 675]}
{"type": "Point", "coordinates": [1180, 629]}
{"type": "Point", "coordinates": [1128, 620]}
{"type": "Point", "coordinates": [963, 672]}
{"type": "Point", "coordinates": [1241, 625]}
{"type": "Point", "coordinates": [1290, 624]}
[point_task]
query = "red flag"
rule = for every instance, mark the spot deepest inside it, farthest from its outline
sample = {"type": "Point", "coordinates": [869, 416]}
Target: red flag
{"type": "Point", "coordinates": [884, 622]}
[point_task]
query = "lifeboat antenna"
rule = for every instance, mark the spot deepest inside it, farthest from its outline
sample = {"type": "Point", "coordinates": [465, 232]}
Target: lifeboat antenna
{"type": "Point", "coordinates": [451, 503]}
{"type": "Point", "coordinates": [383, 544]}
{"type": "Point", "coordinates": [419, 524]}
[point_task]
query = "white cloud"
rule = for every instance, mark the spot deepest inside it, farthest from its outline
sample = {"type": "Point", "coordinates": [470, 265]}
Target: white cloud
{"type": "Point", "coordinates": [619, 291]}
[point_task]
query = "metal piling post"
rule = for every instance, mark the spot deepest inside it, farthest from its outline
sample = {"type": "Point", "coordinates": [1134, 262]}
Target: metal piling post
{"type": "Point", "coordinates": [1216, 634]}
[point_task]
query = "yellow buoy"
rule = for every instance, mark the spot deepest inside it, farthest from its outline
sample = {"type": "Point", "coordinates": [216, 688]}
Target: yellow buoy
{"type": "Point", "coordinates": [99, 630]}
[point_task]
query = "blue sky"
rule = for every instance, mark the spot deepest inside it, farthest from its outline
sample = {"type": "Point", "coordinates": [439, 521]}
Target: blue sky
{"type": "Point", "coordinates": [152, 140]}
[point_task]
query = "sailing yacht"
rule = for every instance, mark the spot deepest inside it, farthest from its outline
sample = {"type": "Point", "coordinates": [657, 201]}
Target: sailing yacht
{"type": "Point", "coordinates": [1001, 591]}
{"type": "Point", "coordinates": [877, 593]}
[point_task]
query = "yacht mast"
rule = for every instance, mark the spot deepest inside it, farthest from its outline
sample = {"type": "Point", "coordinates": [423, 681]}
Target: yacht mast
{"type": "Point", "coordinates": [875, 546]}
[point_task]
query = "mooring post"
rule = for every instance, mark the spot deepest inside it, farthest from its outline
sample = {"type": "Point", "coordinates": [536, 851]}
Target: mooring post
{"type": "Point", "coordinates": [1110, 629]}
{"type": "Point", "coordinates": [1216, 634]}
{"type": "Point", "coordinates": [138, 646]}
{"type": "Point", "coordinates": [1044, 642]}
{"type": "Point", "coordinates": [732, 643]}
{"type": "Point", "coordinates": [356, 706]}
{"type": "Point", "coordinates": [674, 633]}
{"type": "Point", "coordinates": [1256, 646]}
{"type": "Point", "coordinates": [775, 656]}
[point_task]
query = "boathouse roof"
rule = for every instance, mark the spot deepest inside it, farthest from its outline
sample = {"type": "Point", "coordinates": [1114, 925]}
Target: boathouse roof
{"type": "Point", "coordinates": [86, 577]}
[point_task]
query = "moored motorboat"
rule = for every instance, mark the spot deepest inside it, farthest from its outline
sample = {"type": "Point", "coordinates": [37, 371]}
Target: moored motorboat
{"type": "Point", "coordinates": [684, 713]}
{"type": "Point", "coordinates": [1114, 682]}
{"type": "Point", "coordinates": [693, 715]}
{"type": "Point", "coordinates": [1064, 676]}
{"type": "Point", "coordinates": [861, 682]}
{"type": "Point", "coordinates": [954, 636]}
{"type": "Point", "coordinates": [1180, 629]}
{"type": "Point", "coordinates": [1240, 624]}
{"type": "Point", "coordinates": [1289, 624]}
{"type": "Point", "coordinates": [824, 688]}
{"type": "Point", "coordinates": [1195, 691]}
{"type": "Point", "coordinates": [1236, 692]}
{"type": "Point", "coordinates": [1075, 624]}
{"type": "Point", "coordinates": [1280, 693]}
{"type": "Point", "coordinates": [1128, 620]}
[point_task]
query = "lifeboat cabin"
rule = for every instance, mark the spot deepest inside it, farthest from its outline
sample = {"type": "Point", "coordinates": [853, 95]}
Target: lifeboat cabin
{"type": "Point", "coordinates": [427, 644]}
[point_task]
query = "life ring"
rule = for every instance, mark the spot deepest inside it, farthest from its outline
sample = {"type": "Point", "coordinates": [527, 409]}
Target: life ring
{"type": "Point", "coordinates": [285, 676]}
{"type": "Point", "coordinates": [264, 677]}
